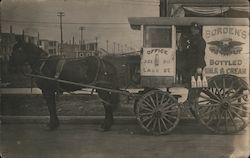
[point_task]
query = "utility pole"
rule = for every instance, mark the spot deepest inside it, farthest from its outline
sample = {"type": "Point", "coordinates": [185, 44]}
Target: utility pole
{"type": "Point", "coordinates": [1, 61]}
{"type": "Point", "coordinates": [81, 29]}
{"type": "Point", "coordinates": [0, 20]}
{"type": "Point", "coordinates": [38, 39]}
{"type": "Point", "coordinates": [61, 14]}
{"type": "Point", "coordinates": [96, 40]}
{"type": "Point", "coordinates": [118, 47]}
{"type": "Point", "coordinates": [107, 45]}
{"type": "Point", "coordinates": [114, 47]}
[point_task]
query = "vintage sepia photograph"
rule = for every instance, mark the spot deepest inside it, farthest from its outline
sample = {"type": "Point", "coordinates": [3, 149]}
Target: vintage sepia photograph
{"type": "Point", "coordinates": [124, 79]}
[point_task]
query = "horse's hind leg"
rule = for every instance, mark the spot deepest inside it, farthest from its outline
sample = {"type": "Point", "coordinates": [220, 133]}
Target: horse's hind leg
{"type": "Point", "coordinates": [49, 96]}
{"type": "Point", "coordinates": [108, 121]}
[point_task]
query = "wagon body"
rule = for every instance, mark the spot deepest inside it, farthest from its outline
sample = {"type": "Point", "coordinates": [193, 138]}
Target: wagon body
{"type": "Point", "coordinates": [222, 105]}
{"type": "Point", "coordinates": [230, 55]}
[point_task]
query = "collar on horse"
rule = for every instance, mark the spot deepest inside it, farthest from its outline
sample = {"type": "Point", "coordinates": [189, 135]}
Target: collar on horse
{"type": "Point", "coordinates": [59, 67]}
{"type": "Point", "coordinates": [100, 67]}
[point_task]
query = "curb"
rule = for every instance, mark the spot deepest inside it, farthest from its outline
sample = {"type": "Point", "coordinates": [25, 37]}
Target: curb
{"type": "Point", "coordinates": [74, 119]}
{"type": "Point", "coordinates": [65, 119]}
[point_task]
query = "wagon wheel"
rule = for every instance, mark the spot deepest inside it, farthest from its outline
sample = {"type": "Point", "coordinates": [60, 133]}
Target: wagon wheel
{"type": "Point", "coordinates": [157, 112]}
{"type": "Point", "coordinates": [222, 107]}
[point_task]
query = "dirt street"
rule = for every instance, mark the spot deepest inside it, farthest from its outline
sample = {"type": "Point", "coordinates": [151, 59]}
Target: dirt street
{"type": "Point", "coordinates": [189, 140]}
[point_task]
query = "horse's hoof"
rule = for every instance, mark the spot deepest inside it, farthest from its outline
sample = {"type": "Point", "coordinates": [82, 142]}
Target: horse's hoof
{"type": "Point", "coordinates": [105, 127]}
{"type": "Point", "coordinates": [52, 127]}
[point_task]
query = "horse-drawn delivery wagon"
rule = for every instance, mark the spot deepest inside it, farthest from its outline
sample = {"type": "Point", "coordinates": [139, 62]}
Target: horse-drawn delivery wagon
{"type": "Point", "coordinates": [221, 97]}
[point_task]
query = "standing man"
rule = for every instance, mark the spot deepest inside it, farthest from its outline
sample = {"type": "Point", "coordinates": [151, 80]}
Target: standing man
{"type": "Point", "coordinates": [194, 53]}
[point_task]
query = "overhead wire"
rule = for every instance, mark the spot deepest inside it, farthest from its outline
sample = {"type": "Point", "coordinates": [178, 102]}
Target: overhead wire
{"type": "Point", "coordinates": [76, 23]}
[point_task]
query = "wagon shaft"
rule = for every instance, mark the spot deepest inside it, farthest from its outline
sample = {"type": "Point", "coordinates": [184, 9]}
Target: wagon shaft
{"type": "Point", "coordinates": [123, 92]}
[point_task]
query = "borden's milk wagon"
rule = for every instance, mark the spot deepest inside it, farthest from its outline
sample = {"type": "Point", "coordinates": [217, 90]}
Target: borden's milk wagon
{"type": "Point", "coordinates": [221, 95]}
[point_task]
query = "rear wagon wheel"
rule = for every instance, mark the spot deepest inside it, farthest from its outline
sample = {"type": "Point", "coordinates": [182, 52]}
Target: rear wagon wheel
{"type": "Point", "coordinates": [222, 107]}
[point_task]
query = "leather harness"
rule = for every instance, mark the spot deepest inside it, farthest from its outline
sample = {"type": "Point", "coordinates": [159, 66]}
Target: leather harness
{"type": "Point", "coordinates": [61, 62]}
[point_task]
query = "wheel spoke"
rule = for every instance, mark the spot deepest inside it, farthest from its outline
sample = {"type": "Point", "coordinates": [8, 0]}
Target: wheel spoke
{"type": "Point", "coordinates": [154, 125]}
{"type": "Point", "coordinates": [232, 120]}
{"type": "Point", "coordinates": [236, 92]}
{"type": "Point", "coordinates": [168, 107]}
{"type": "Point", "coordinates": [164, 123]}
{"type": "Point", "coordinates": [171, 116]}
{"type": "Point", "coordinates": [226, 123]}
{"type": "Point", "coordinates": [238, 116]}
{"type": "Point", "coordinates": [150, 121]}
{"type": "Point", "coordinates": [238, 97]}
{"type": "Point", "coordinates": [165, 103]}
{"type": "Point", "coordinates": [208, 105]}
{"type": "Point", "coordinates": [159, 124]}
{"type": "Point", "coordinates": [162, 99]}
{"type": "Point", "coordinates": [164, 118]}
{"type": "Point", "coordinates": [201, 101]}
{"type": "Point", "coordinates": [210, 99]}
{"type": "Point", "coordinates": [169, 111]}
{"type": "Point", "coordinates": [230, 88]}
{"type": "Point", "coordinates": [148, 104]}
{"type": "Point", "coordinates": [145, 114]}
{"type": "Point", "coordinates": [214, 96]}
{"type": "Point", "coordinates": [146, 108]}
{"type": "Point", "coordinates": [208, 112]}
{"type": "Point", "coordinates": [223, 86]}
{"type": "Point", "coordinates": [219, 119]}
{"type": "Point", "coordinates": [145, 119]}
{"type": "Point", "coordinates": [157, 101]}
{"type": "Point", "coordinates": [217, 88]}
{"type": "Point", "coordinates": [238, 104]}
{"type": "Point", "coordinates": [152, 101]}
{"type": "Point", "coordinates": [239, 109]}
{"type": "Point", "coordinates": [203, 108]}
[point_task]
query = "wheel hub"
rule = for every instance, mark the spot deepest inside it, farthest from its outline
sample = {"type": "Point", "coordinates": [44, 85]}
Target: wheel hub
{"type": "Point", "coordinates": [158, 114]}
{"type": "Point", "coordinates": [225, 105]}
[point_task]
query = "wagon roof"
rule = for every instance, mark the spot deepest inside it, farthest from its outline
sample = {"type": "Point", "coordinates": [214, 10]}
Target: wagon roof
{"type": "Point", "coordinates": [136, 22]}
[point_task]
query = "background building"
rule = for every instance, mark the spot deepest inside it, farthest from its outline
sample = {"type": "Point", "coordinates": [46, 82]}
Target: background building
{"type": "Point", "coordinates": [51, 47]}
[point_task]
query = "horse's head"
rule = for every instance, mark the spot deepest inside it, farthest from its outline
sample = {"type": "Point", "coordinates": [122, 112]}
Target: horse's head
{"type": "Point", "coordinates": [18, 56]}
{"type": "Point", "coordinates": [24, 53]}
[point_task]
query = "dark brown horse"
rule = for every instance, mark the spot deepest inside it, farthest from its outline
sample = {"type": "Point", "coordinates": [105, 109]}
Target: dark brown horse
{"type": "Point", "coordinates": [89, 70]}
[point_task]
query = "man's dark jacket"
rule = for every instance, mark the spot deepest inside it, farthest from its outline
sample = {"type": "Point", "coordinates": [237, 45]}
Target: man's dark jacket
{"type": "Point", "coordinates": [195, 52]}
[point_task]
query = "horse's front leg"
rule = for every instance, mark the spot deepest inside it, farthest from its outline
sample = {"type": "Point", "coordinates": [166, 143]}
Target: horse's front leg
{"type": "Point", "coordinates": [49, 96]}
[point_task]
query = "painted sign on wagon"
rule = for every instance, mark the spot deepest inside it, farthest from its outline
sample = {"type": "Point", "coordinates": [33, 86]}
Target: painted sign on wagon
{"type": "Point", "coordinates": [158, 62]}
{"type": "Point", "coordinates": [227, 50]}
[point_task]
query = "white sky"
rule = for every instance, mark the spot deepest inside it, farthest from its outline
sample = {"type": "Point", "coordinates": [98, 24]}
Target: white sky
{"type": "Point", "coordinates": [41, 16]}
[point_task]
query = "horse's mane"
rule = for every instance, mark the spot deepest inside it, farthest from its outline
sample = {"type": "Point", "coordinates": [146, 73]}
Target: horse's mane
{"type": "Point", "coordinates": [35, 49]}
